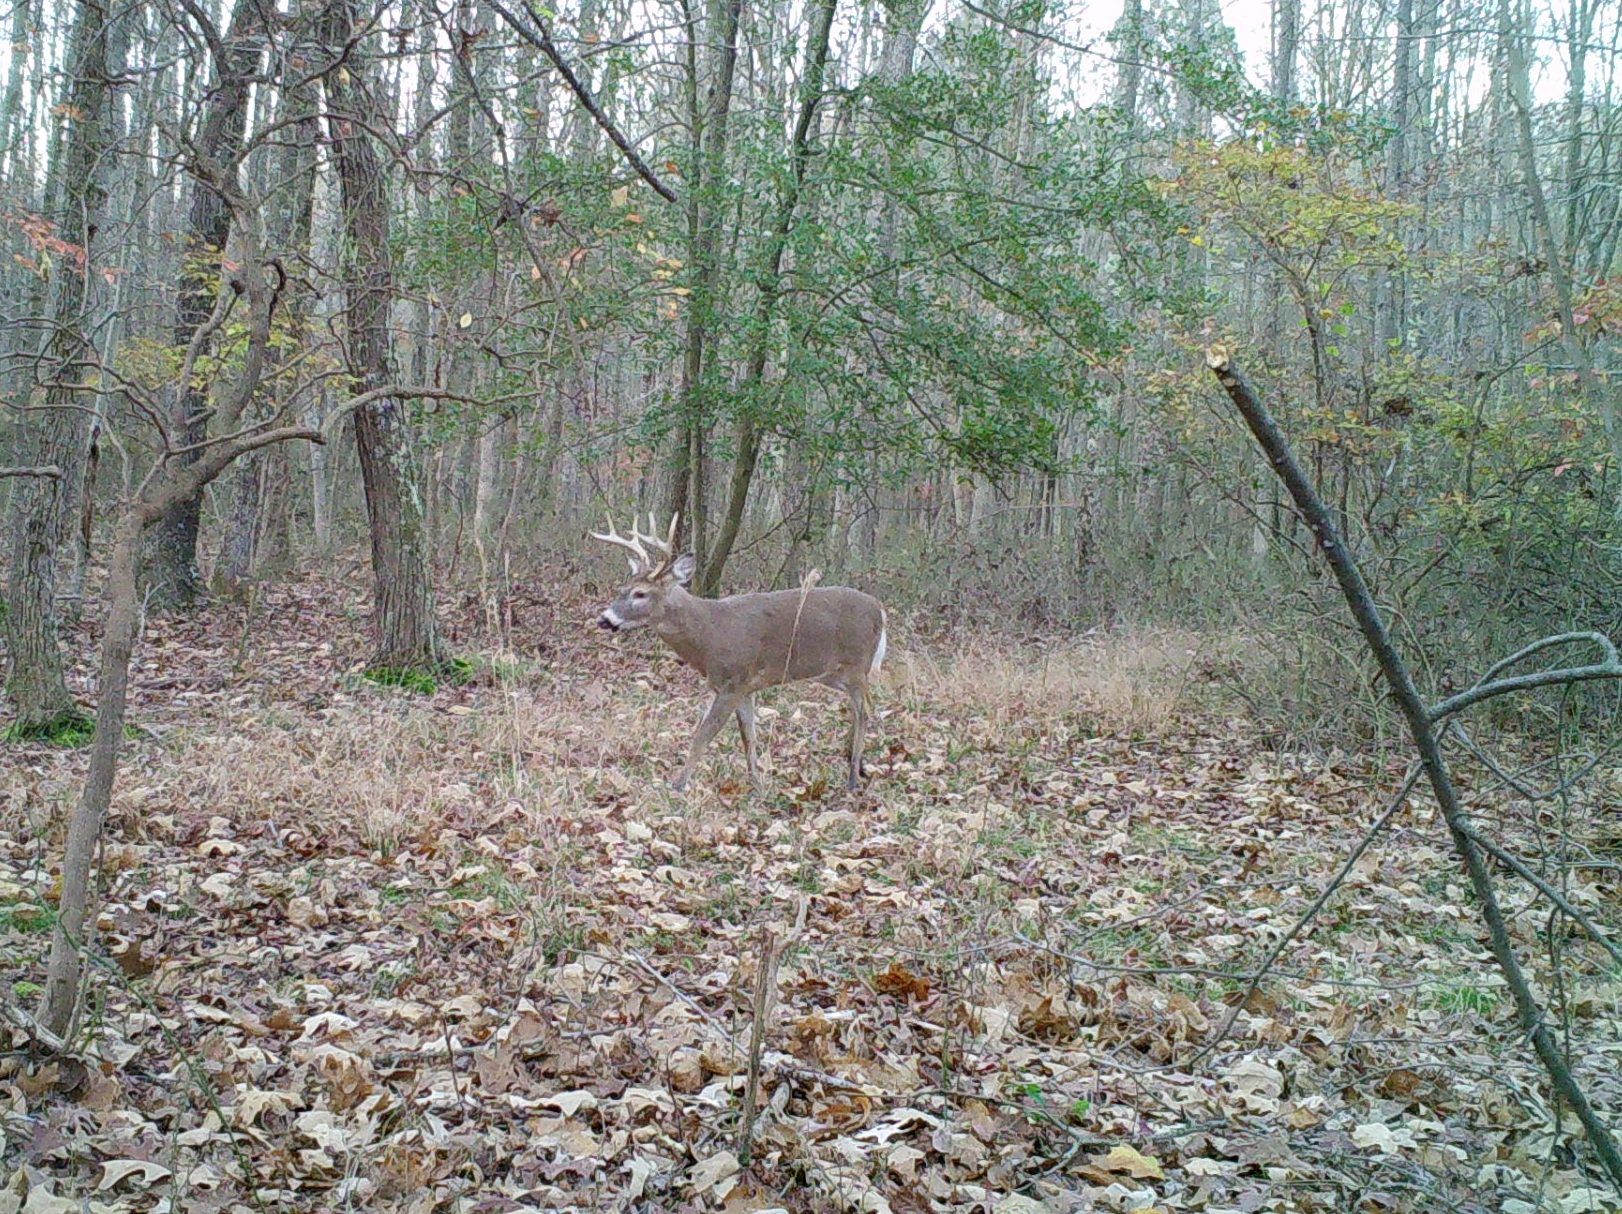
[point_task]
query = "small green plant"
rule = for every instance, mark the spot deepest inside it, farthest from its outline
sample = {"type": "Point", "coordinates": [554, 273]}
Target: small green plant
{"type": "Point", "coordinates": [26, 990]}
{"type": "Point", "coordinates": [29, 918]}
{"type": "Point", "coordinates": [408, 678]}
{"type": "Point", "coordinates": [69, 730]}
{"type": "Point", "coordinates": [1467, 999]}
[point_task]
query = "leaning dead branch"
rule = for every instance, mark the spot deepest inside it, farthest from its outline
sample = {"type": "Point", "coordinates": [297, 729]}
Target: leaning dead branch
{"type": "Point", "coordinates": [1422, 726]}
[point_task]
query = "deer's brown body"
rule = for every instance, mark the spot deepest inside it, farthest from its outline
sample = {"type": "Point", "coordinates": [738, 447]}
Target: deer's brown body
{"type": "Point", "coordinates": [747, 642]}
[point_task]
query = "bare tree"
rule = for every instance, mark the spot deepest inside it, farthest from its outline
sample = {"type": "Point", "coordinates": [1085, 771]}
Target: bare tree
{"type": "Point", "coordinates": [169, 564]}
{"type": "Point", "coordinates": [407, 635]}
{"type": "Point", "coordinates": [56, 429]}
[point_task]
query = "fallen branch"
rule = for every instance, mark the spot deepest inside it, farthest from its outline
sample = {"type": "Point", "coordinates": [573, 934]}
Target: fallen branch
{"type": "Point", "coordinates": [44, 471]}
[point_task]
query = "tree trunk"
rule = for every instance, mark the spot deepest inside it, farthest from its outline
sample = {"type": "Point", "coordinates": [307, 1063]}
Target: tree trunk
{"type": "Point", "coordinates": [749, 426]}
{"type": "Point", "coordinates": [84, 828]}
{"type": "Point", "coordinates": [1554, 254]}
{"type": "Point", "coordinates": [1286, 47]}
{"type": "Point", "coordinates": [407, 636]}
{"type": "Point", "coordinates": [257, 480]}
{"type": "Point", "coordinates": [169, 560]}
{"type": "Point", "coordinates": [44, 511]}
{"type": "Point", "coordinates": [706, 208]}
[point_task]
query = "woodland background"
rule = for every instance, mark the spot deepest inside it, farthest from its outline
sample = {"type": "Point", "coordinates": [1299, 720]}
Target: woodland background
{"type": "Point", "coordinates": [331, 328]}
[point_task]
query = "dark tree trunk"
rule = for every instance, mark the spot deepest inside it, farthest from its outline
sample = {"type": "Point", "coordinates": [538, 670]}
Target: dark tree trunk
{"type": "Point", "coordinates": [404, 603]}
{"type": "Point", "coordinates": [169, 557]}
{"type": "Point", "coordinates": [44, 510]}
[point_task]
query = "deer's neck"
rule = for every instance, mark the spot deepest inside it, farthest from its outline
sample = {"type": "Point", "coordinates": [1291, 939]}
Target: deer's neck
{"type": "Point", "coordinates": [682, 627]}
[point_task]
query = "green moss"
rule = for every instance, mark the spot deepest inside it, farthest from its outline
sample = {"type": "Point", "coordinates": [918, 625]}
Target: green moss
{"type": "Point", "coordinates": [423, 680]}
{"type": "Point", "coordinates": [69, 730]}
{"type": "Point", "coordinates": [410, 678]}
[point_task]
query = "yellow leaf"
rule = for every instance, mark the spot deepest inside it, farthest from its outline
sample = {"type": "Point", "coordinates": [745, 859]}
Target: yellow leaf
{"type": "Point", "coordinates": [466, 320]}
{"type": "Point", "coordinates": [632, 217]}
{"type": "Point", "coordinates": [621, 197]}
{"type": "Point", "coordinates": [1131, 1162]}
{"type": "Point", "coordinates": [535, 273]}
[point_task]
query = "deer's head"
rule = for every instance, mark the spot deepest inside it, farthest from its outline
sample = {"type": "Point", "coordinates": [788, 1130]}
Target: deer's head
{"type": "Point", "coordinates": [642, 599]}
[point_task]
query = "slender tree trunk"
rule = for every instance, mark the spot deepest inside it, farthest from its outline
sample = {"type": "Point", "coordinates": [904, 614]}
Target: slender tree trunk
{"type": "Point", "coordinates": [258, 480]}
{"type": "Point", "coordinates": [1129, 73]}
{"type": "Point", "coordinates": [84, 828]}
{"type": "Point", "coordinates": [1553, 252]}
{"type": "Point", "coordinates": [169, 561]}
{"type": "Point", "coordinates": [749, 426]}
{"type": "Point", "coordinates": [44, 511]}
{"type": "Point", "coordinates": [407, 636]}
{"type": "Point", "coordinates": [706, 210]}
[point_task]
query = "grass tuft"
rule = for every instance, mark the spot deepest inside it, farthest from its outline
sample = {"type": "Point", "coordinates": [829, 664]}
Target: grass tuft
{"type": "Point", "coordinates": [70, 731]}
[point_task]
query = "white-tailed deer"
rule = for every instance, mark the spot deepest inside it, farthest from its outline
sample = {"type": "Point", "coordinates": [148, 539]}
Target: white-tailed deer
{"type": "Point", "coordinates": [748, 642]}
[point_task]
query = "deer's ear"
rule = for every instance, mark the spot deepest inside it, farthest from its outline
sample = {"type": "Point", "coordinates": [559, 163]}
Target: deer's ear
{"type": "Point", "coordinates": [684, 568]}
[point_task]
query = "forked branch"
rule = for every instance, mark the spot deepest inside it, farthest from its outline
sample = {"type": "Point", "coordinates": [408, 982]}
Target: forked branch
{"type": "Point", "coordinates": [1421, 725]}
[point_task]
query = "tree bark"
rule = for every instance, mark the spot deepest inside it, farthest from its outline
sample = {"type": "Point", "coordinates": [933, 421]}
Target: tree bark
{"type": "Point", "coordinates": [706, 207]}
{"type": "Point", "coordinates": [84, 828]}
{"type": "Point", "coordinates": [257, 480]}
{"type": "Point", "coordinates": [407, 635]}
{"type": "Point", "coordinates": [44, 510]}
{"type": "Point", "coordinates": [169, 559]}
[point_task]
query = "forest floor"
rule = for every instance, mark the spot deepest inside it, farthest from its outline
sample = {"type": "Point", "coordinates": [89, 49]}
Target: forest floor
{"type": "Point", "coordinates": [367, 949]}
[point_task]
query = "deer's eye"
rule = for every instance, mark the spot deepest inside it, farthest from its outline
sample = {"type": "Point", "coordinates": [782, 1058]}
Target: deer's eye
{"type": "Point", "coordinates": [639, 594]}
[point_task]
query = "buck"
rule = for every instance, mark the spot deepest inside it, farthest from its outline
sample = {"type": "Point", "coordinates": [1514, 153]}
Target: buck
{"type": "Point", "coordinates": [747, 642]}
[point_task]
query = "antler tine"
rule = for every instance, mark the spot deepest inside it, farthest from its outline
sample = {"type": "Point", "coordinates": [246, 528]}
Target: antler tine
{"type": "Point", "coordinates": [663, 545]}
{"type": "Point", "coordinates": [633, 542]}
{"type": "Point", "coordinates": [666, 546]}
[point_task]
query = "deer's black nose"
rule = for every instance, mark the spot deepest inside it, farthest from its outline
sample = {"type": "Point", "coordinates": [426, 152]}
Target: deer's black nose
{"type": "Point", "coordinates": [605, 623]}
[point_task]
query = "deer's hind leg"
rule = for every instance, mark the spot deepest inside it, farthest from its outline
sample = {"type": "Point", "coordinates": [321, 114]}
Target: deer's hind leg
{"type": "Point", "coordinates": [857, 691]}
{"type": "Point", "coordinates": [722, 707]}
{"type": "Point", "coordinates": [746, 727]}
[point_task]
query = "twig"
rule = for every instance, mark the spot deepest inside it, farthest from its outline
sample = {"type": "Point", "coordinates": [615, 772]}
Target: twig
{"type": "Point", "coordinates": [32, 1027]}
{"type": "Point", "coordinates": [1561, 903]}
{"type": "Point", "coordinates": [538, 37]}
{"type": "Point", "coordinates": [1262, 970]}
{"type": "Point", "coordinates": [1608, 668]}
{"type": "Point", "coordinates": [44, 471]}
{"type": "Point", "coordinates": [765, 984]}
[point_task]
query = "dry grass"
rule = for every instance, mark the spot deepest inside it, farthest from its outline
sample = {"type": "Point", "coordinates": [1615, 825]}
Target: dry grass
{"type": "Point", "coordinates": [1140, 680]}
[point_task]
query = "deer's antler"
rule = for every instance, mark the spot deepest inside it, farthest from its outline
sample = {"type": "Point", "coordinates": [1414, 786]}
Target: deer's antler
{"type": "Point", "coordinates": [666, 546]}
{"type": "Point", "coordinates": [632, 542]}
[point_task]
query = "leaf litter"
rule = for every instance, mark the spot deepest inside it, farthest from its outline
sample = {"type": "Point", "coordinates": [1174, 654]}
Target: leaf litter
{"type": "Point", "coordinates": [363, 949]}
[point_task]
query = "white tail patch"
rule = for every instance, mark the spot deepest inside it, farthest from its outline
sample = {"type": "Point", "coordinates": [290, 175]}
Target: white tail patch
{"type": "Point", "coordinates": [884, 643]}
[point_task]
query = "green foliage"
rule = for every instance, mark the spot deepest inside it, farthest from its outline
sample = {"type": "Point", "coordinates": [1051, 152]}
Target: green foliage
{"type": "Point", "coordinates": [423, 680]}
{"type": "Point", "coordinates": [70, 730]}
{"type": "Point", "coordinates": [409, 678]}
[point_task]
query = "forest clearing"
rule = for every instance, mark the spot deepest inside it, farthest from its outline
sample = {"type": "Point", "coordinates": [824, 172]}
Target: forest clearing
{"type": "Point", "coordinates": [388, 951]}
{"type": "Point", "coordinates": [1113, 705]}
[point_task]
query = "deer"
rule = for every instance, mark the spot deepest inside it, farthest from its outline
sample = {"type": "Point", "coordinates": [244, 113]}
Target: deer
{"type": "Point", "coordinates": [745, 643]}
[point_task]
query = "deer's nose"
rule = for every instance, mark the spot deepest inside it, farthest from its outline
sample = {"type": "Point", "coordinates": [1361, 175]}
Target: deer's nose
{"type": "Point", "coordinates": [608, 622]}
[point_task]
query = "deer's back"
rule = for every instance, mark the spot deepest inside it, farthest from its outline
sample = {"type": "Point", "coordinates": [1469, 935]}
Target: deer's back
{"type": "Point", "coordinates": [781, 636]}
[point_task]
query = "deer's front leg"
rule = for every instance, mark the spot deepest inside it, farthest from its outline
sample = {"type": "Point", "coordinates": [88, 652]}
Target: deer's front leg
{"type": "Point", "coordinates": [722, 707]}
